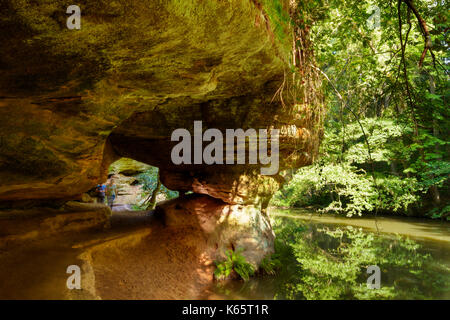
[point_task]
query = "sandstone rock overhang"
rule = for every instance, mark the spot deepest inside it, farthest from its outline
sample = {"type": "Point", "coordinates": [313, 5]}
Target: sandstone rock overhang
{"type": "Point", "coordinates": [74, 101]}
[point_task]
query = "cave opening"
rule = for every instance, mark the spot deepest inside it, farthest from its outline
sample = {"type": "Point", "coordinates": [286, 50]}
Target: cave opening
{"type": "Point", "coordinates": [138, 185]}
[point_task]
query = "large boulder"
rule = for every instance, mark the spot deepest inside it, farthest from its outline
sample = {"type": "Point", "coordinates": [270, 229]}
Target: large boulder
{"type": "Point", "coordinates": [224, 226]}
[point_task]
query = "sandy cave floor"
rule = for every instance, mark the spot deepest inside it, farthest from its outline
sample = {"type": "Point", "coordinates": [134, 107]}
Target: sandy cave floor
{"type": "Point", "coordinates": [137, 258]}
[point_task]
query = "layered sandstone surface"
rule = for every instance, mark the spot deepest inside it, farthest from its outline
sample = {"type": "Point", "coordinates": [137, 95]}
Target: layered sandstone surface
{"type": "Point", "coordinates": [74, 101]}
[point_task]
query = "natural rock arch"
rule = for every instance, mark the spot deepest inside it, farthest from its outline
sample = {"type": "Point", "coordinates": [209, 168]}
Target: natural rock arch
{"type": "Point", "coordinates": [73, 101]}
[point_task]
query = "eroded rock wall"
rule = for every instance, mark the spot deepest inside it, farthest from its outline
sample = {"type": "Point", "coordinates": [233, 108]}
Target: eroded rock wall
{"type": "Point", "coordinates": [63, 92]}
{"type": "Point", "coordinates": [74, 101]}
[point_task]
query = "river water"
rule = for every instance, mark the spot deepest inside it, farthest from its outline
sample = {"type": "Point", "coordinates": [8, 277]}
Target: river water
{"type": "Point", "coordinates": [317, 257]}
{"type": "Point", "coordinates": [327, 257]}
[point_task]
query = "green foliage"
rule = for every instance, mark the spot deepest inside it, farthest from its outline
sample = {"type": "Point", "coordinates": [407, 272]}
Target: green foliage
{"type": "Point", "coordinates": [235, 261]}
{"type": "Point", "coordinates": [270, 264]}
{"type": "Point", "coordinates": [340, 182]}
{"type": "Point", "coordinates": [223, 270]}
{"type": "Point", "coordinates": [339, 188]}
{"type": "Point", "coordinates": [437, 213]}
{"type": "Point", "coordinates": [149, 180]}
{"type": "Point", "coordinates": [386, 136]}
{"type": "Point", "coordinates": [137, 207]}
{"type": "Point", "coordinates": [278, 16]}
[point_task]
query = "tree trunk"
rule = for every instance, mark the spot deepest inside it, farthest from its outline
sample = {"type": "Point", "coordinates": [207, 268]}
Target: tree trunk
{"type": "Point", "coordinates": [434, 189]}
{"type": "Point", "coordinates": [152, 202]}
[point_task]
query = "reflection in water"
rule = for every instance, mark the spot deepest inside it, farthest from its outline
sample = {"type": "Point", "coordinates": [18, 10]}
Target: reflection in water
{"type": "Point", "coordinates": [322, 261]}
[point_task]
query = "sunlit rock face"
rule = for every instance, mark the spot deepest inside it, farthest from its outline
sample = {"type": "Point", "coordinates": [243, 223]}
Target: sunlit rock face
{"type": "Point", "coordinates": [223, 226]}
{"type": "Point", "coordinates": [125, 173]}
{"type": "Point", "coordinates": [74, 101]}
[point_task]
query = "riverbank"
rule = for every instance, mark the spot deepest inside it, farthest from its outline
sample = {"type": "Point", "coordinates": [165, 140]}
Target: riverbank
{"type": "Point", "coordinates": [421, 228]}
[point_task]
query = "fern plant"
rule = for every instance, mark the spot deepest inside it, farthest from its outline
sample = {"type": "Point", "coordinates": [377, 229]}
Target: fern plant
{"type": "Point", "coordinates": [236, 262]}
{"type": "Point", "coordinates": [270, 264]}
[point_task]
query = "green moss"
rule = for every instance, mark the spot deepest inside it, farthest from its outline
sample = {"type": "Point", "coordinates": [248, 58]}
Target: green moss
{"type": "Point", "coordinates": [128, 166]}
{"type": "Point", "coordinates": [277, 11]}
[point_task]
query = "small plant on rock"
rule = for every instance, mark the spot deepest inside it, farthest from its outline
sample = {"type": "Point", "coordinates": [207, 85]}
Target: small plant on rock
{"type": "Point", "coordinates": [270, 264]}
{"type": "Point", "coordinates": [235, 262]}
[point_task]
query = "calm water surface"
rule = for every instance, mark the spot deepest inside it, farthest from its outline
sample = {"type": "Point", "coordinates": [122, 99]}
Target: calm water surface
{"type": "Point", "coordinates": [326, 257]}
